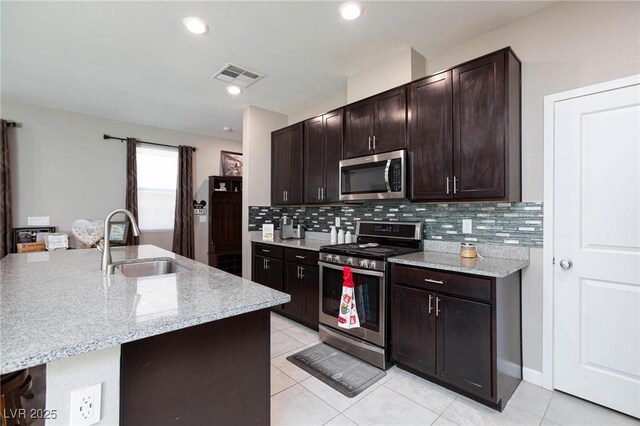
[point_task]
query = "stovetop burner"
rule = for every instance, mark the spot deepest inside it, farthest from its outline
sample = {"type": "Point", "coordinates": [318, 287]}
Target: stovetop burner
{"type": "Point", "coordinates": [355, 249]}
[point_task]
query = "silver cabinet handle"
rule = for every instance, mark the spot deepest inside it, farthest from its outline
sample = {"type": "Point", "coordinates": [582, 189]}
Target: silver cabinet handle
{"type": "Point", "coordinates": [266, 264]}
{"type": "Point", "coordinates": [266, 251]}
{"type": "Point", "coordinates": [298, 272]}
{"type": "Point", "coordinates": [301, 272]}
{"type": "Point", "coordinates": [374, 142]}
{"type": "Point", "coordinates": [437, 306]}
{"type": "Point", "coordinates": [300, 257]}
{"type": "Point", "coordinates": [369, 143]}
{"type": "Point", "coordinates": [322, 191]}
{"type": "Point", "coordinates": [455, 185]}
{"type": "Point", "coordinates": [566, 264]}
{"type": "Point", "coordinates": [430, 303]}
{"type": "Point", "coordinates": [448, 181]}
{"type": "Point", "coordinates": [429, 280]}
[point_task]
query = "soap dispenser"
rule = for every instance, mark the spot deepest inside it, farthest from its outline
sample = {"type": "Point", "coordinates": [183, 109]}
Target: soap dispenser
{"type": "Point", "coordinates": [341, 237]}
{"type": "Point", "coordinates": [334, 236]}
{"type": "Point", "coordinates": [347, 237]}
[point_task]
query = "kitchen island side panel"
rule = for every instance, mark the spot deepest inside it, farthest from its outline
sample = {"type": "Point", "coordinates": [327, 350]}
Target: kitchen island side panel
{"type": "Point", "coordinates": [213, 373]}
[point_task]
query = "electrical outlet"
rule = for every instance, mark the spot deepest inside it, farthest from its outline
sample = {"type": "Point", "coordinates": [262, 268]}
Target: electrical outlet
{"type": "Point", "coordinates": [85, 405]}
{"type": "Point", "coordinates": [337, 222]}
{"type": "Point", "coordinates": [466, 226]}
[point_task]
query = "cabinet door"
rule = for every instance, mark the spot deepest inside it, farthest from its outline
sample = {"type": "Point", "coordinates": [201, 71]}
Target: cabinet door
{"type": "Point", "coordinates": [359, 129]}
{"type": "Point", "coordinates": [268, 272]}
{"type": "Point", "coordinates": [280, 142]}
{"type": "Point", "coordinates": [430, 138]}
{"type": "Point", "coordinates": [225, 223]}
{"type": "Point", "coordinates": [413, 328]}
{"type": "Point", "coordinates": [311, 308]}
{"type": "Point", "coordinates": [333, 135]}
{"type": "Point", "coordinates": [464, 344]}
{"type": "Point", "coordinates": [296, 160]}
{"type": "Point", "coordinates": [294, 286]}
{"type": "Point", "coordinates": [390, 120]}
{"type": "Point", "coordinates": [479, 128]}
{"type": "Point", "coordinates": [314, 160]}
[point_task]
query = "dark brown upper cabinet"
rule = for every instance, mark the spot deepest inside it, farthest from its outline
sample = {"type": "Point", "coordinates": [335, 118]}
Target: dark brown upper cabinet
{"type": "Point", "coordinates": [376, 124]}
{"type": "Point", "coordinates": [286, 165]}
{"type": "Point", "coordinates": [431, 137]}
{"type": "Point", "coordinates": [322, 154]}
{"type": "Point", "coordinates": [464, 131]}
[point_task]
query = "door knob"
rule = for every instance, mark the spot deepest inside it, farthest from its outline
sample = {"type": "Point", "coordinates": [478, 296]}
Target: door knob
{"type": "Point", "coordinates": [566, 264]}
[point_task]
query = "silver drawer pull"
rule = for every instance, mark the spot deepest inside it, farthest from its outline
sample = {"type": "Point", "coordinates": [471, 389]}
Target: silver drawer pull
{"type": "Point", "coordinates": [434, 281]}
{"type": "Point", "coordinates": [301, 257]}
{"type": "Point", "coordinates": [266, 251]}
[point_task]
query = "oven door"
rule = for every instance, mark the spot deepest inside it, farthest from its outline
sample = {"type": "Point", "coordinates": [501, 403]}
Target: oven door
{"type": "Point", "coordinates": [370, 295]}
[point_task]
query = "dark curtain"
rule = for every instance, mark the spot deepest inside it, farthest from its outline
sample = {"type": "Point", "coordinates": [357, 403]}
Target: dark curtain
{"type": "Point", "coordinates": [132, 186]}
{"type": "Point", "coordinates": [5, 191]}
{"type": "Point", "coordinates": [183, 227]}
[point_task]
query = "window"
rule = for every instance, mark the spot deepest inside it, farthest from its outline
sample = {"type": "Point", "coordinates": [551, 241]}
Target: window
{"type": "Point", "coordinates": [157, 180]}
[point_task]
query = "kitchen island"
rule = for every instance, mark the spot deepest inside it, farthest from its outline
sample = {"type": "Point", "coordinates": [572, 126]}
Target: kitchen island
{"type": "Point", "coordinates": [191, 343]}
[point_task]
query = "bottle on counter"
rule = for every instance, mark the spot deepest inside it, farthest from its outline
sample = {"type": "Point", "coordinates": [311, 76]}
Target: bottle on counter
{"type": "Point", "coordinates": [334, 235]}
{"type": "Point", "coordinates": [347, 237]}
{"type": "Point", "coordinates": [341, 237]}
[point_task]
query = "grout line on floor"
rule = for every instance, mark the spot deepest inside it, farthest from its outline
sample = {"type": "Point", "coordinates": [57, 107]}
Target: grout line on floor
{"type": "Point", "coordinates": [411, 400]}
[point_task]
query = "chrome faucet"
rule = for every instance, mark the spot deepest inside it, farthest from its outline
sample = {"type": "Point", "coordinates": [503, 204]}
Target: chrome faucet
{"type": "Point", "coordinates": [105, 265]}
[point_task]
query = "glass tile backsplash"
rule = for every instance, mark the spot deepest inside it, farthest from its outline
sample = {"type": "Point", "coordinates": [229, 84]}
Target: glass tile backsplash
{"type": "Point", "coordinates": [495, 223]}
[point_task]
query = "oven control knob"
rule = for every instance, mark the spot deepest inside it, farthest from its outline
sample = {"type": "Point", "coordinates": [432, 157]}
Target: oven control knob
{"type": "Point", "coordinates": [336, 259]}
{"type": "Point", "coordinates": [349, 261]}
{"type": "Point", "coordinates": [328, 257]}
{"type": "Point", "coordinates": [372, 264]}
{"type": "Point", "coordinates": [363, 263]}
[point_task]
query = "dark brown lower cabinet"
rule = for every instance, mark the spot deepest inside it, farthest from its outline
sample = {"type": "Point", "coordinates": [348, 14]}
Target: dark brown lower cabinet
{"type": "Point", "coordinates": [213, 373]}
{"type": "Point", "coordinates": [301, 282]}
{"type": "Point", "coordinates": [294, 272]}
{"type": "Point", "coordinates": [461, 331]}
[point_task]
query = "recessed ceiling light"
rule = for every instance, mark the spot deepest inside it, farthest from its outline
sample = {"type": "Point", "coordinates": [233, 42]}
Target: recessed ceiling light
{"type": "Point", "coordinates": [234, 90]}
{"type": "Point", "coordinates": [195, 25]}
{"type": "Point", "coordinates": [227, 129]}
{"type": "Point", "coordinates": [350, 10]}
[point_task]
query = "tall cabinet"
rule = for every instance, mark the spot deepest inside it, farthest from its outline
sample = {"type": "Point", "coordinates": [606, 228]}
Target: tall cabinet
{"type": "Point", "coordinates": [286, 165]}
{"type": "Point", "coordinates": [322, 154]}
{"type": "Point", "coordinates": [464, 131]}
{"type": "Point", "coordinates": [225, 223]}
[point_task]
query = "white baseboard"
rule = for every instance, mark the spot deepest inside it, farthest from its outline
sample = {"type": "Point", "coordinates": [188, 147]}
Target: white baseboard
{"type": "Point", "coordinates": [532, 376]}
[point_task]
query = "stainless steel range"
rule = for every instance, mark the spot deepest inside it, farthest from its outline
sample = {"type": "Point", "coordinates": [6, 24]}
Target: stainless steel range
{"type": "Point", "coordinates": [375, 243]}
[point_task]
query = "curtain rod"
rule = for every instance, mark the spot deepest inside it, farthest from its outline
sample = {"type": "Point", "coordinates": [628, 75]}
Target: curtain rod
{"type": "Point", "coordinates": [105, 136]}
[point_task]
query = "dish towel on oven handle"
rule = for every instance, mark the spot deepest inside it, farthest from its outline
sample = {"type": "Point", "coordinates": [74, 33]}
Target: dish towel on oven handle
{"type": "Point", "coordinates": [348, 315]}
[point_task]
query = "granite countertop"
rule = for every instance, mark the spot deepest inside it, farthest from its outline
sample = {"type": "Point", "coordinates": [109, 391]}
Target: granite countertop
{"type": "Point", "coordinates": [487, 266]}
{"type": "Point", "coordinates": [305, 244]}
{"type": "Point", "coordinates": [58, 304]}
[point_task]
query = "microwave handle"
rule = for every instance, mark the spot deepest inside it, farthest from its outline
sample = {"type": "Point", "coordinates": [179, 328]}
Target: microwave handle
{"type": "Point", "coordinates": [386, 175]}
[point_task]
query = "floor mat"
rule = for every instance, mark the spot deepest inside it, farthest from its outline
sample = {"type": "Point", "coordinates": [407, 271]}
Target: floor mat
{"type": "Point", "coordinates": [343, 372]}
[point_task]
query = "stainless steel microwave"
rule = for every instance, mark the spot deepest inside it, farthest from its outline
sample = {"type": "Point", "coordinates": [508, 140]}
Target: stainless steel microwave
{"type": "Point", "coordinates": [374, 177]}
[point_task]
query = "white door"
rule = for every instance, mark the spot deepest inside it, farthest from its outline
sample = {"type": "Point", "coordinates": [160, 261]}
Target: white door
{"type": "Point", "coordinates": [597, 248]}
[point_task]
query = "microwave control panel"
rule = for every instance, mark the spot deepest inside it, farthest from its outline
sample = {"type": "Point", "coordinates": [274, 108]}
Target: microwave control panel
{"type": "Point", "coordinates": [395, 175]}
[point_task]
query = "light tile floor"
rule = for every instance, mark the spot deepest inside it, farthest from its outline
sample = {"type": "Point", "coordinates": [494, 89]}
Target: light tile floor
{"type": "Point", "coordinates": [400, 398]}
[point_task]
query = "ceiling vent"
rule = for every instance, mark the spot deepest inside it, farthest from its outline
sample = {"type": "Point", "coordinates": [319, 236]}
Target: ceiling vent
{"type": "Point", "coordinates": [237, 75]}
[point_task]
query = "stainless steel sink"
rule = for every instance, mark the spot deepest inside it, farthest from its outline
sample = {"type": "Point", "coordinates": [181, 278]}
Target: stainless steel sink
{"type": "Point", "coordinates": [150, 268]}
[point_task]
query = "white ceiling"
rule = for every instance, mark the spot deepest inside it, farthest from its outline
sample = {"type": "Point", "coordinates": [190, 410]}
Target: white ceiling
{"type": "Point", "coordinates": [134, 61]}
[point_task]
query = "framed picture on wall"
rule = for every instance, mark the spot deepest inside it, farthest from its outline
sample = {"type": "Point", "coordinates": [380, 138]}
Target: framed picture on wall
{"type": "Point", "coordinates": [231, 163]}
{"type": "Point", "coordinates": [118, 232]}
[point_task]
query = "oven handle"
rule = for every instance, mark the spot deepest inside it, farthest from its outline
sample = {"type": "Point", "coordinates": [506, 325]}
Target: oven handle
{"type": "Point", "coordinates": [354, 270]}
{"type": "Point", "coordinates": [386, 175]}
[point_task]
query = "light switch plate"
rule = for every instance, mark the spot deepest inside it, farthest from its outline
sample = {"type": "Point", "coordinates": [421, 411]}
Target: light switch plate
{"type": "Point", "coordinates": [467, 226]}
{"type": "Point", "coordinates": [38, 221]}
{"type": "Point", "coordinates": [203, 219]}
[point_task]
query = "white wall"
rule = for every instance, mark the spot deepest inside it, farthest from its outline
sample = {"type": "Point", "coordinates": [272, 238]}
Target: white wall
{"type": "Point", "coordinates": [333, 102]}
{"type": "Point", "coordinates": [62, 168]}
{"type": "Point", "coordinates": [396, 70]}
{"type": "Point", "coordinates": [568, 45]}
{"type": "Point", "coordinates": [257, 125]}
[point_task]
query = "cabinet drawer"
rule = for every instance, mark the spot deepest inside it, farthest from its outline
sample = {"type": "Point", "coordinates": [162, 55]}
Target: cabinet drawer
{"type": "Point", "coordinates": [268, 250]}
{"type": "Point", "coordinates": [443, 282]}
{"type": "Point", "coordinates": [306, 257]}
